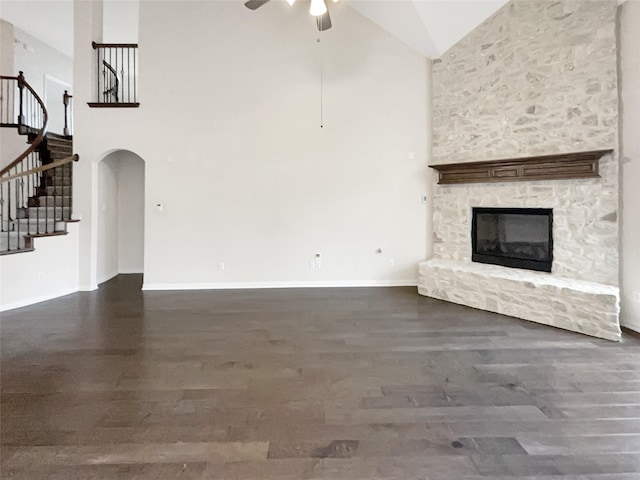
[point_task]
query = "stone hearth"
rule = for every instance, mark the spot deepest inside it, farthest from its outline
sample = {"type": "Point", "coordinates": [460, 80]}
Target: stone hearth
{"type": "Point", "coordinates": [578, 305]}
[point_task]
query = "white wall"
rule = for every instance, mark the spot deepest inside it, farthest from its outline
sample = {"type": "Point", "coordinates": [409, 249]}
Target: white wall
{"type": "Point", "coordinates": [130, 213]}
{"type": "Point", "coordinates": [50, 271]}
{"type": "Point", "coordinates": [11, 144]}
{"type": "Point", "coordinates": [6, 48]}
{"type": "Point", "coordinates": [630, 143]}
{"type": "Point", "coordinates": [88, 23]}
{"type": "Point", "coordinates": [108, 218]}
{"type": "Point", "coordinates": [120, 21]}
{"type": "Point", "coordinates": [229, 128]}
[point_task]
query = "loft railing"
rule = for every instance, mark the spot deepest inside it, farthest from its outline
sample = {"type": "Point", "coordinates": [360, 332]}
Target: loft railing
{"type": "Point", "coordinates": [116, 75]}
{"type": "Point", "coordinates": [34, 198]}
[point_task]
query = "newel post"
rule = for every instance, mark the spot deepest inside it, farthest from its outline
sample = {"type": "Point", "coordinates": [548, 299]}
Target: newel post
{"type": "Point", "coordinates": [21, 83]}
{"type": "Point", "coordinates": [65, 101]}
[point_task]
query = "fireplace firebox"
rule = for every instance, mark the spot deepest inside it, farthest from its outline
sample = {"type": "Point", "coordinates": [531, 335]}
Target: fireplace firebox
{"type": "Point", "coordinates": [513, 237]}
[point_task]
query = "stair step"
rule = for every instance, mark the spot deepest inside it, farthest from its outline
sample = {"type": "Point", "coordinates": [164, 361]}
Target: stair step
{"type": "Point", "coordinates": [13, 241]}
{"type": "Point", "coordinates": [50, 201]}
{"type": "Point", "coordinates": [58, 136]}
{"type": "Point", "coordinates": [58, 213]}
{"type": "Point", "coordinates": [34, 227]}
{"type": "Point", "coordinates": [60, 154]}
{"type": "Point", "coordinates": [59, 176]}
{"type": "Point", "coordinates": [57, 150]}
{"type": "Point", "coordinates": [62, 169]}
{"type": "Point", "coordinates": [59, 145]}
{"type": "Point", "coordinates": [60, 181]}
{"type": "Point", "coordinates": [58, 141]}
{"type": "Point", "coordinates": [58, 190]}
{"type": "Point", "coordinates": [57, 172]}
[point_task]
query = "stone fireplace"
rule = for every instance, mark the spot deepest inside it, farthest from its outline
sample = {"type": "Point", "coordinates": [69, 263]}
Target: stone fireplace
{"type": "Point", "coordinates": [578, 293]}
{"type": "Point", "coordinates": [536, 79]}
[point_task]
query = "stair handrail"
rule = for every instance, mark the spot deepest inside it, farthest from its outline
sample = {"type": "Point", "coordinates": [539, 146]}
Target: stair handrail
{"type": "Point", "coordinates": [58, 163]}
{"type": "Point", "coordinates": [22, 83]}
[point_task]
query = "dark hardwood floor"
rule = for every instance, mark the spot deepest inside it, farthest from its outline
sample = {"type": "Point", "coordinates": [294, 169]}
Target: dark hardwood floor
{"type": "Point", "coordinates": [308, 384]}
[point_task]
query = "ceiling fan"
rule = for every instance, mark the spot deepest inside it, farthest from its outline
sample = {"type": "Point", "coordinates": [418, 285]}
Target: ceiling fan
{"type": "Point", "coordinates": [318, 9]}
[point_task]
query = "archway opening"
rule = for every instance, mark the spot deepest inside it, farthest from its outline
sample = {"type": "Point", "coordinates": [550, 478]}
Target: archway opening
{"type": "Point", "coordinates": [121, 177]}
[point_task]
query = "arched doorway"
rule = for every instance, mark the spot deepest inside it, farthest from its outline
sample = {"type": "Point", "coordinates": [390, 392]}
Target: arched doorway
{"type": "Point", "coordinates": [121, 176]}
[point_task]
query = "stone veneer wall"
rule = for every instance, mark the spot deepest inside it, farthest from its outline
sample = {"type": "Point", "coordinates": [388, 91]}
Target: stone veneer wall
{"type": "Point", "coordinates": [538, 77]}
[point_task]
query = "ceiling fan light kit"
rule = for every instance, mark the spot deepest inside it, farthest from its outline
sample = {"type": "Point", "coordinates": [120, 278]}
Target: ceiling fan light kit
{"type": "Point", "coordinates": [318, 9]}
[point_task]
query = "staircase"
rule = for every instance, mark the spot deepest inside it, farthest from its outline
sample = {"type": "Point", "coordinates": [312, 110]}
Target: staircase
{"type": "Point", "coordinates": [36, 188]}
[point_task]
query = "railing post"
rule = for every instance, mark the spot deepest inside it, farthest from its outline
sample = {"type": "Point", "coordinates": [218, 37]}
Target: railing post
{"type": "Point", "coordinates": [65, 100]}
{"type": "Point", "coordinates": [21, 83]}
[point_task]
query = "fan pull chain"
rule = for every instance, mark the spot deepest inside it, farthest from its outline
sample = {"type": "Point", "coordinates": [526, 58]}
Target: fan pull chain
{"type": "Point", "coordinates": [321, 87]}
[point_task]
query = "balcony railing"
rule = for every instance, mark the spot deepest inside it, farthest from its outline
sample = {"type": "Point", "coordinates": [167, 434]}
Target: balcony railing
{"type": "Point", "coordinates": [116, 75]}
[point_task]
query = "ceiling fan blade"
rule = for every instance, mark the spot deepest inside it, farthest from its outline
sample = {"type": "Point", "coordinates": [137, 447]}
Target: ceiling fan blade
{"type": "Point", "coordinates": [255, 4]}
{"type": "Point", "coordinates": [324, 21]}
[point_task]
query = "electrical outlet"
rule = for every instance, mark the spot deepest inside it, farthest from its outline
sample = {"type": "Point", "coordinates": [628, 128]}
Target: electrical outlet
{"type": "Point", "coordinates": [636, 297]}
{"type": "Point", "coordinates": [392, 263]}
{"type": "Point", "coordinates": [312, 265]}
{"type": "Point", "coordinates": [425, 199]}
{"type": "Point", "coordinates": [318, 262]}
{"type": "Point", "coordinates": [220, 265]}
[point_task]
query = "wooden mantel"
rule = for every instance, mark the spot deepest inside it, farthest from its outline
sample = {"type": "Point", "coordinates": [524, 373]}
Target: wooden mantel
{"type": "Point", "coordinates": [546, 167]}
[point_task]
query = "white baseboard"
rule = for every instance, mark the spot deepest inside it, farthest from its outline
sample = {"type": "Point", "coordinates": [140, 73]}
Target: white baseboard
{"type": "Point", "coordinates": [33, 300]}
{"type": "Point", "coordinates": [88, 288]}
{"type": "Point", "coordinates": [272, 285]}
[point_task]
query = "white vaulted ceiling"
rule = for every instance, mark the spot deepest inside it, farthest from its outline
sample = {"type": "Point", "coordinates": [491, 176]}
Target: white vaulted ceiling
{"type": "Point", "coordinates": [429, 26]}
{"type": "Point", "coordinates": [50, 21]}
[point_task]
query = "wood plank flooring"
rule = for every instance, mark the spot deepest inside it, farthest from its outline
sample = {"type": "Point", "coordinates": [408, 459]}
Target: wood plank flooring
{"type": "Point", "coordinates": [350, 384]}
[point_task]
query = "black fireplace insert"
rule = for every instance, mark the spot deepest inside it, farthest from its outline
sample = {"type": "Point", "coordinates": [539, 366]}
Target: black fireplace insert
{"type": "Point", "coordinates": [513, 237]}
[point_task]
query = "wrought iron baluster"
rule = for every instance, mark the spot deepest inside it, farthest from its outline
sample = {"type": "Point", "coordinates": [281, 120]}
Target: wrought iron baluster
{"type": "Point", "coordinates": [135, 76]}
{"type": "Point", "coordinates": [18, 219]}
{"type": "Point", "coordinates": [128, 74]}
